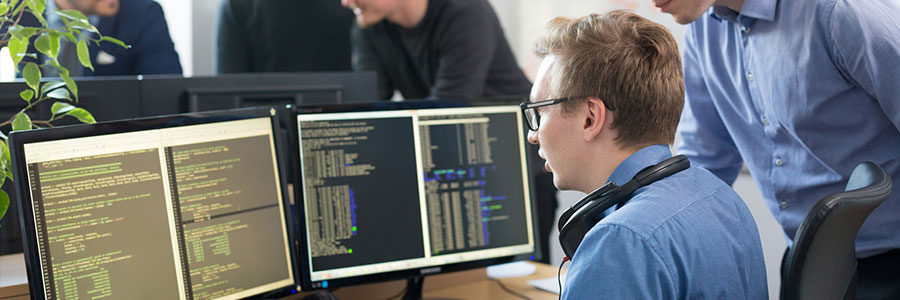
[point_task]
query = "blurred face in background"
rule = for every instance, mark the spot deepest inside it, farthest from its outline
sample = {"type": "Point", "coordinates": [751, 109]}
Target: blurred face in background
{"type": "Point", "coordinates": [102, 8]}
{"type": "Point", "coordinates": [370, 12]}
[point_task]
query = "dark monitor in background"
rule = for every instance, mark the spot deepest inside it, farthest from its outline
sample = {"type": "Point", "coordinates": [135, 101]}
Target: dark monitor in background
{"type": "Point", "coordinates": [107, 99]}
{"type": "Point", "coordinates": [393, 191]}
{"type": "Point", "coordinates": [175, 207]}
{"type": "Point", "coordinates": [174, 94]}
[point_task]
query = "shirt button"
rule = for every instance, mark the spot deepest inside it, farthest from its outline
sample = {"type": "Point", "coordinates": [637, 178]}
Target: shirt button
{"type": "Point", "coordinates": [783, 204]}
{"type": "Point", "coordinates": [778, 162]}
{"type": "Point", "coordinates": [749, 76]}
{"type": "Point", "coordinates": [746, 29]}
{"type": "Point", "coordinates": [765, 120]}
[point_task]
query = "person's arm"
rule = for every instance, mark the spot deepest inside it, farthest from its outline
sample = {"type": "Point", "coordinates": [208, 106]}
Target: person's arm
{"type": "Point", "coordinates": [467, 44]}
{"type": "Point", "coordinates": [704, 138]}
{"type": "Point", "coordinates": [232, 49]}
{"type": "Point", "coordinates": [613, 262]}
{"type": "Point", "coordinates": [156, 52]}
{"type": "Point", "coordinates": [865, 38]}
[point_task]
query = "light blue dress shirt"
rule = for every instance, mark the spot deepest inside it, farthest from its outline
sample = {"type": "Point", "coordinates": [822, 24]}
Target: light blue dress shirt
{"type": "Point", "coordinates": [802, 91]}
{"type": "Point", "coordinates": [686, 236]}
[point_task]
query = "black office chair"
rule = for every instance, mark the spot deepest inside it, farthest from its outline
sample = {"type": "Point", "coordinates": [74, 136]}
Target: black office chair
{"type": "Point", "coordinates": [822, 262]}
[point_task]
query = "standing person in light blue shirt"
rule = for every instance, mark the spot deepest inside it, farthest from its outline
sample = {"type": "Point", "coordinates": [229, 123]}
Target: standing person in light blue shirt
{"type": "Point", "coordinates": [801, 91]}
{"type": "Point", "coordinates": [615, 94]}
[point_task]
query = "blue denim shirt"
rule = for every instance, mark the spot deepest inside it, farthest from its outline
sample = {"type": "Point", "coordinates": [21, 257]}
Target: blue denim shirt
{"type": "Point", "coordinates": [686, 236]}
{"type": "Point", "coordinates": [801, 91]}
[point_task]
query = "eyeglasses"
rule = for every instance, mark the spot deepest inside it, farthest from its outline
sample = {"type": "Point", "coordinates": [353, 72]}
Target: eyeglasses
{"type": "Point", "coordinates": [533, 117]}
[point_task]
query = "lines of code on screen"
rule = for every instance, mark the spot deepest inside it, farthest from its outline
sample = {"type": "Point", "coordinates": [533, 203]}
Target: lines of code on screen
{"type": "Point", "coordinates": [360, 191]}
{"type": "Point", "coordinates": [103, 217]}
{"type": "Point", "coordinates": [473, 182]}
{"type": "Point", "coordinates": [229, 209]}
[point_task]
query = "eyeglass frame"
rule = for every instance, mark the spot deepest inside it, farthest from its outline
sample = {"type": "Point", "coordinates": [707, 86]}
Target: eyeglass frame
{"type": "Point", "coordinates": [532, 106]}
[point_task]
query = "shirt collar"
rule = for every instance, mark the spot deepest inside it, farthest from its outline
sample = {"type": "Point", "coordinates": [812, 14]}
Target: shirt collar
{"type": "Point", "coordinates": [638, 161]}
{"type": "Point", "coordinates": [750, 11]}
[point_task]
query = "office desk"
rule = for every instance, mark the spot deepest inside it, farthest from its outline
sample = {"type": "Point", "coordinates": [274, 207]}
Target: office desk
{"type": "Point", "coordinates": [471, 284]}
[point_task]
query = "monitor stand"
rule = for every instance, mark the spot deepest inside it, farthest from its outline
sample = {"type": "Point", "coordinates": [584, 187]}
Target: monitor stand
{"type": "Point", "coordinates": [414, 289]}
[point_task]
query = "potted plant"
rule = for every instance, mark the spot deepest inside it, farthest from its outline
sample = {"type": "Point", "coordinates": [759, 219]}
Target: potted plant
{"type": "Point", "coordinates": [22, 42]}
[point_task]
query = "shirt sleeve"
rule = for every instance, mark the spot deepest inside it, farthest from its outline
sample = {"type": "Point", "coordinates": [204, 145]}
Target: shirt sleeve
{"type": "Point", "coordinates": [156, 50]}
{"type": "Point", "coordinates": [704, 138]}
{"type": "Point", "coordinates": [865, 36]}
{"type": "Point", "coordinates": [364, 58]}
{"type": "Point", "coordinates": [232, 49]}
{"type": "Point", "coordinates": [467, 44]}
{"type": "Point", "coordinates": [613, 262]}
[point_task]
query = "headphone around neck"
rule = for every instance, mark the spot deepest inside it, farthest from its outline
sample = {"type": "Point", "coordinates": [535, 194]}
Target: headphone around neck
{"type": "Point", "coordinates": [576, 221]}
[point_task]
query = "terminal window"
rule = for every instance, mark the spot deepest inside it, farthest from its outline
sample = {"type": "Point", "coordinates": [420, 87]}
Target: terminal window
{"type": "Point", "coordinates": [190, 212]}
{"type": "Point", "coordinates": [396, 190]}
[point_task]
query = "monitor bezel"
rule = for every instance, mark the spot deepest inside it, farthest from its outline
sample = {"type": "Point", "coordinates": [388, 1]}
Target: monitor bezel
{"type": "Point", "coordinates": [305, 271]}
{"type": "Point", "coordinates": [17, 140]}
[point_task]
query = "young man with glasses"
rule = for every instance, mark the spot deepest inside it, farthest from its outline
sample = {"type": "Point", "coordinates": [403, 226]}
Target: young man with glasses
{"type": "Point", "coordinates": [616, 92]}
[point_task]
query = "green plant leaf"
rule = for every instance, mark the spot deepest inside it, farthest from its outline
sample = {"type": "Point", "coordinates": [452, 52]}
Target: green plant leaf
{"type": "Point", "coordinates": [32, 74]}
{"type": "Point", "coordinates": [82, 115]}
{"type": "Point", "coordinates": [42, 43]}
{"type": "Point", "coordinates": [59, 108]}
{"type": "Point", "coordinates": [37, 6]}
{"type": "Point", "coordinates": [37, 10]}
{"type": "Point", "coordinates": [22, 32]}
{"type": "Point", "coordinates": [4, 203]}
{"type": "Point", "coordinates": [72, 14]}
{"type": "Point", "coordinates": [83, 55]}
{"type": "Point", "coordinates": [21, 122]}
{"type": "Point", "coordinates": [52, 85]}
{"type": "Point", "coordinates": [54, 43]}
{"type": "Point", "coordinates": [82, 26]}
{"type": "Point", "coordinates": [115, 41]}
{"type": "Point", "coordinates": [17, 48]}
{"type": "Point", "coordinates": [70, 84]}
{"type": "Point", "coordinates": [27, 95]}
{"type": "Point", "coordinates": [59, 94]}
{"type": "Point", "coordinates": [69, 36]}
{"type": "Point", "coordinates": [4, 155]}
{"type": "Point", "coordinates": [4, 7]}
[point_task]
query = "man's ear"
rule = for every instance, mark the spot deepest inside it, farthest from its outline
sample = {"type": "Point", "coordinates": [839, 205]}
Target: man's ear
{"type": "Point", "coordinates": [595, 119]}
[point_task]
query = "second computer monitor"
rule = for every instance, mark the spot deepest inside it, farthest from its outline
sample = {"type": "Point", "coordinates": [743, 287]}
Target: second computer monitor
{"type": "Point", "coordinates": [400, 193]}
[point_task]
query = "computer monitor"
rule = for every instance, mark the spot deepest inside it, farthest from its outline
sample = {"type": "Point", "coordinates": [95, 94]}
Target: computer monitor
{"type": "Point", "coordinates": [176, 207]}
{"type": "Point", "coordinates": [399, 190]}
{"type": "Point", "coordinates": [167, 94]}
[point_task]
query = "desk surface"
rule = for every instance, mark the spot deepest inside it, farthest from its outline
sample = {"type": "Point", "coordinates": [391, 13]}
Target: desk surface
{"type": "Point", "coordinates": [471, 284]}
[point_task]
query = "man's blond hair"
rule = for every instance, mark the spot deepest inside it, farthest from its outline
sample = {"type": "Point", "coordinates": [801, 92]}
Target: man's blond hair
{"type": "Point", "coordinates": [629, 62]}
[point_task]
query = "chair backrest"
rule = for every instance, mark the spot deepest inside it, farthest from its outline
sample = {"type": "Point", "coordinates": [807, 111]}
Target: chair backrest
{"type": "Point", "coordinates": [821, 264]}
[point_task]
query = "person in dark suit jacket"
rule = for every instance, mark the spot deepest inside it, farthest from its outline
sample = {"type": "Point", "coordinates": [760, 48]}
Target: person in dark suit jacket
{"type": "Point", "coordinates": [138, 23]}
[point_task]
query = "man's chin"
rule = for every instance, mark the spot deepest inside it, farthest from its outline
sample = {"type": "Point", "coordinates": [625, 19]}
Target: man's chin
{"type": "Point", "coordinates": [364, 22]}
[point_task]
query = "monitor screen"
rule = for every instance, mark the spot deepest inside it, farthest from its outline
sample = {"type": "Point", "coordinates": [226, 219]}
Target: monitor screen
{"type": "Point", "coordinates": [414, 190]}
{"type": "Point", "coordinates": [165, 208]}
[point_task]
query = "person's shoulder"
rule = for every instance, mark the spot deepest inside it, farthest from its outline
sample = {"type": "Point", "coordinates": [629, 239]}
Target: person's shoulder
{"type": "Point", "coordinates": [468, 9]}
{"type": "Point", "coordinates": [135, 10]}
{"type": "Point", "coordinates": [655, 205]}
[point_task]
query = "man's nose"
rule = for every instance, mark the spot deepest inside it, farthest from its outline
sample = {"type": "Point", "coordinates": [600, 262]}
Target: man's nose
{"type": "Point", "coordinates": [532, 137]}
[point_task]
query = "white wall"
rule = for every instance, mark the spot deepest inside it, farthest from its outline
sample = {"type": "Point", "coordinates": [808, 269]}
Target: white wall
{"type": "Point", "coordinates": [179, 16]}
